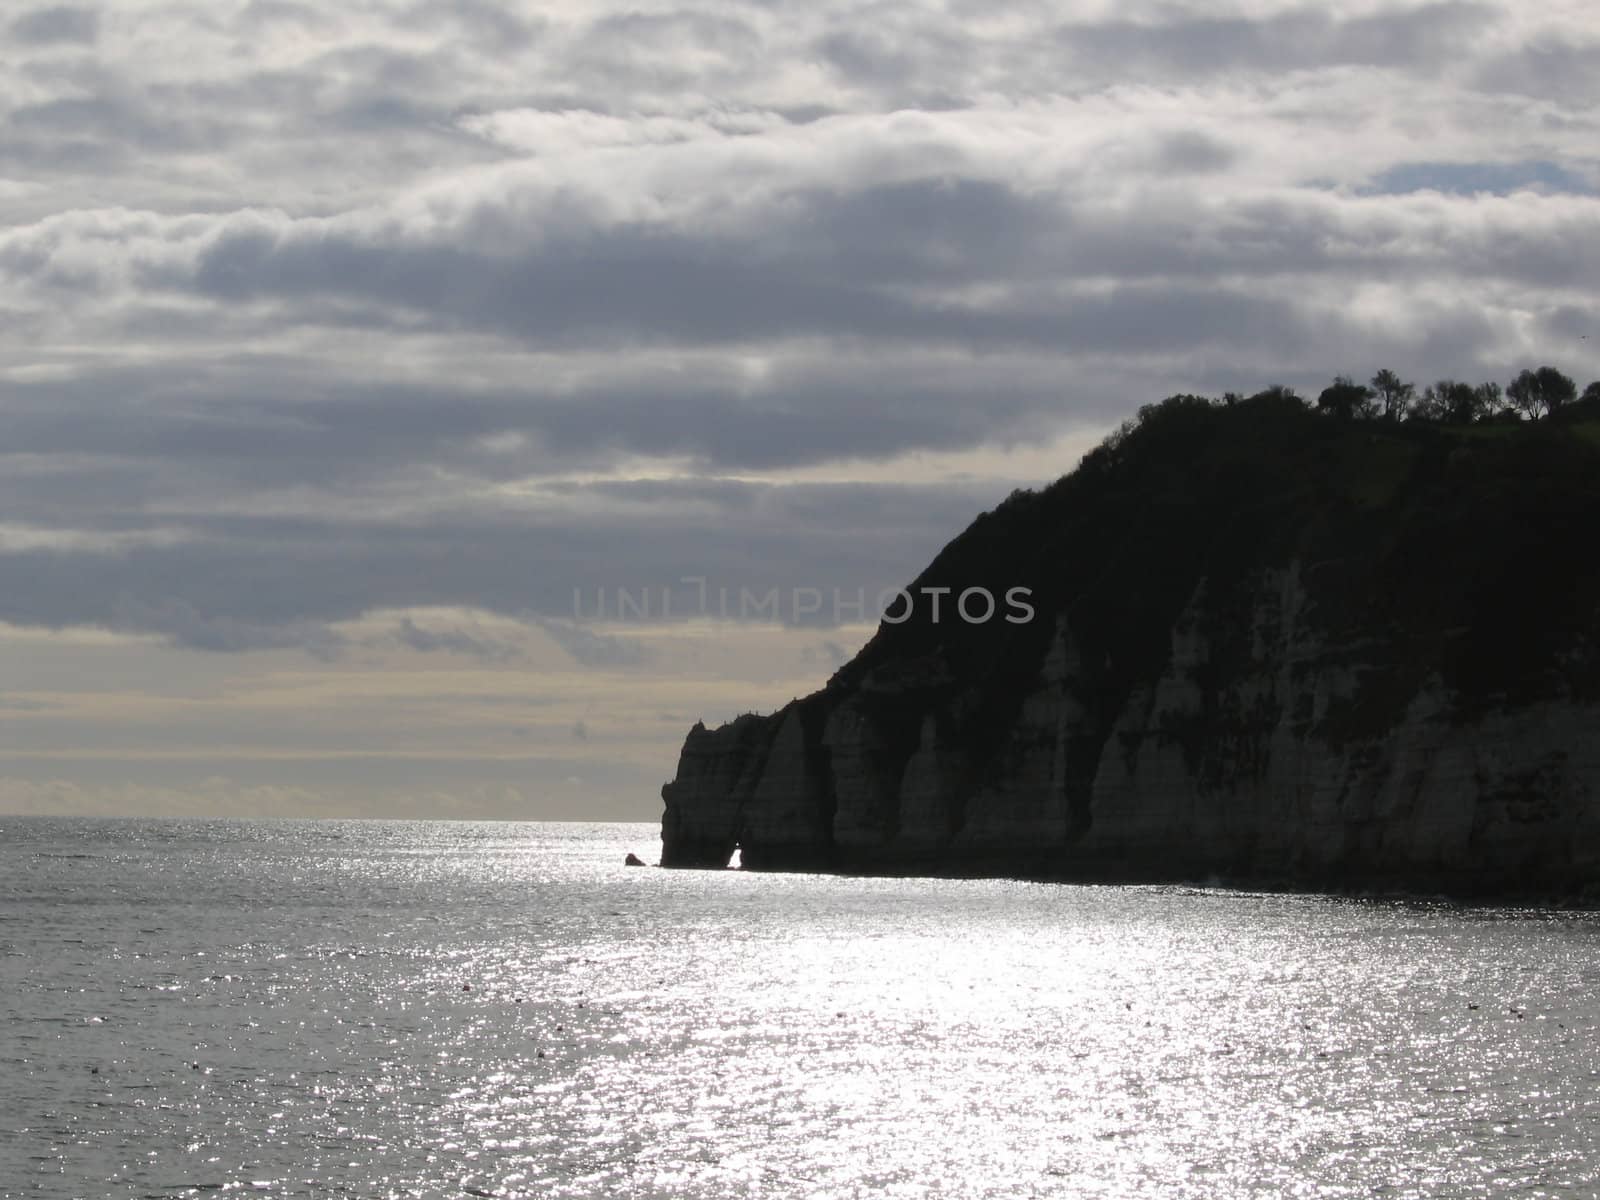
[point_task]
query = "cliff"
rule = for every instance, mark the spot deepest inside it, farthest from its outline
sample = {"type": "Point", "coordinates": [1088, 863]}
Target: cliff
{"type": "Point", "coordinates": [1267, 647]}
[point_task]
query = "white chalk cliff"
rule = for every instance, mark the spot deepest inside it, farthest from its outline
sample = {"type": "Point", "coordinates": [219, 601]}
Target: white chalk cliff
{"type": "Point", "coordinates": [1304, 701]}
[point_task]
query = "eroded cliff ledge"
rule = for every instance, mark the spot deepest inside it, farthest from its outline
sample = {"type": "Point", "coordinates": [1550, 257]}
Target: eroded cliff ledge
{"type": "Point", "coordinates": [1269, 647]}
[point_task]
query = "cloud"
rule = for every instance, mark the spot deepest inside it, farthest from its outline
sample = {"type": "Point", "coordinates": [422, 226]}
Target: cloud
{"type": "Point", "coordinates": [1473, 178]}
{"type": "Point", "coordinates": [253, 581]}
{"type": "Point", "coordinates": [592, 649]}
{"type": "Point", "coordinates": [827, 652]}
{"type": "Point", "coordinates": [42, 26]}
{"type": "Point", "coordinates": [1191, 152]}
{"type": "Point", "coordinates": [1552, 67]}
{"type": "Point", "coordinates": [340, 344]}
{"type": "Point", "coordinates": [23, 704]}
{"type": "Point", "coordinates": [454, 641]}
{"type": "Point", "coordinates": [179, 621]}
{"type": "Point", "coordinates": [1426, 36]}
{"type": "Point", "coordinates": [314, 313]}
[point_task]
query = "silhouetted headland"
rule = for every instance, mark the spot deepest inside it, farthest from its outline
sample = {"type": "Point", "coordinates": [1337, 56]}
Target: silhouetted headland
{"type": "Point", "coordinates": [1350, 647]}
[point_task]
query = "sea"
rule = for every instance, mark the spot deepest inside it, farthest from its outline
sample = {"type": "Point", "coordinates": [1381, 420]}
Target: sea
{"type": "Point", "coordinates": [436, 1009]}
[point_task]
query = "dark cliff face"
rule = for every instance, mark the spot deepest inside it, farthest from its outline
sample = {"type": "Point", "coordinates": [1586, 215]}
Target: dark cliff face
{"type": "Point", "coordinates": [1267, 646]}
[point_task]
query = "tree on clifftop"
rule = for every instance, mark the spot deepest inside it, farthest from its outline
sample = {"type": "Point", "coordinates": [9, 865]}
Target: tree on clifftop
{"type": "Point", "coordinates": [1394, 392]}
{"type": "Point", "coordinates": [1345, 398]}
{"type": "Point", "coordinates": [1274, 393]}
{"type": "Point", "coordinates": [1542, 392]}
{"type": "Point", "coordinates": [1456, 402]}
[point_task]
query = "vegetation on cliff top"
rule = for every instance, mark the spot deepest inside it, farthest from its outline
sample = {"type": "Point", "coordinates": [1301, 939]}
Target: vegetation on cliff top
{"type": "Point", "coordinates": [1447, 533]}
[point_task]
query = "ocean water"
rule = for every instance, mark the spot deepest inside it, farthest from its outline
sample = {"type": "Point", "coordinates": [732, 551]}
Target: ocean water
{"type": "Point", "coordinates": [435, 1009]}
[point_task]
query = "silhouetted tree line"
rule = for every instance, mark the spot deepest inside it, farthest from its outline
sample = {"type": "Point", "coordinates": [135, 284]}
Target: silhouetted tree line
{"type": "Point", "coordinates": [1174, 427]}
{"type": "Point", "coordinates": [1533, 394]}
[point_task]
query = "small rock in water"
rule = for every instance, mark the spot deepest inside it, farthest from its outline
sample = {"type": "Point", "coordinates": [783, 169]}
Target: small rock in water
{"type": "Point", "coordinates": [633, 860]}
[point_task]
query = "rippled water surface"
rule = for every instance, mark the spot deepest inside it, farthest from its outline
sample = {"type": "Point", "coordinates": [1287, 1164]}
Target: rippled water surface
{"type": "Point", "coordinates": [431, 1009]}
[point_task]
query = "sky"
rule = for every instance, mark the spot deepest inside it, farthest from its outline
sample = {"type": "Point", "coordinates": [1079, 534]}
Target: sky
{"type": "Point", "coordinates": [341, 344]}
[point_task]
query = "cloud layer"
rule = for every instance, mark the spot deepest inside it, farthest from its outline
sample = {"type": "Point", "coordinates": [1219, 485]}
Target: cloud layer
{"type": "Point", "coordinates": [311, 312]}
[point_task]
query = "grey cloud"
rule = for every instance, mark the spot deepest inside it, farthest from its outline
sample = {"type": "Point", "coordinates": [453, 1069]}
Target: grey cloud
{"type": "Point", "coordinates": [241, 582]}
{"type": "Point", "coordinates": [593, 649]}
{"type": "Point", "coordinates": [663, 51]}
{"type": "Point", "coordinates": [1476, 177]}
{"type": "Point", "coordinates": [863, 54]}
{"type": "Point", "coordinates": [259, 14]}
{"type": "Point", "coordinates": [350, 119]}
{"type": "Point", "coordinates": [652, 289]}
{"type": "Point", "coordinates": [1567, 72]}
{"type": "Point", "coordinates": [244, 433]}
{"type": "Point", "coordinates": [892, 286]}
{"type": "Point", "coordinates": [124, 121]}
{"type": "Point", "coordinates": [66, 154]}
{"type": "Point", "coordinates": [920, 231]}
{"type": "Point", "coordinates": [1427, 35]}
{"type": "Point", "coordinates": [1572, 324]}
{"type": "Point", "coordinates": [23, 704]}
{"type": "Point", "coordinates": [494, 27]}
{"type": "Point", "coordinates": [1192, 152]}
{"type": "Point", "coordinates": [825, 270]}
{"type": "Point", "coordinates": [62, 23]}
{"type": "Point", "coordinates": [829, 652]}
{"type": "Point", "coordinates": [641, 287]}
{"type": "Point", "coordinates": [903, 60]}
{"type": "Point", "coordinates": [1309, 237]}
{"type": "Point", "coordinates": [263, 426]}
{"type": "Point", "coordinates": [454, 641]}
{"type": "Point", "coordinates": [253, 583]}
{"type": "Point", "coordinates": [658, 32]}
{"type": "Point", "coordinates": [911, 59]}
{"type": "Point", "coordinates": [180, 621]}
{"type": "Point", "coordinates": [878, 263]}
